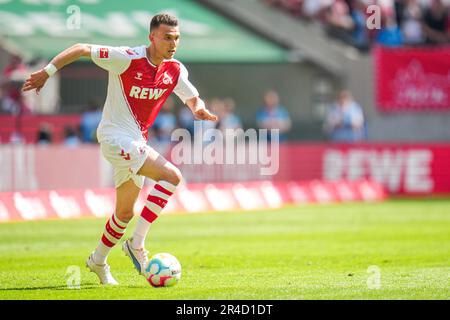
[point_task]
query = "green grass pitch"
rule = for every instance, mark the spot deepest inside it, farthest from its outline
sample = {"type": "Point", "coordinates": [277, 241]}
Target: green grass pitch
{"type": "Point", "coordinates": [310, 252]}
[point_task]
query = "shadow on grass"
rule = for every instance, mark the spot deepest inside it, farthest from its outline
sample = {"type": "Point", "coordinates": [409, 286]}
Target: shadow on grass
{"type": "Point", "coordinates": [85, 286]}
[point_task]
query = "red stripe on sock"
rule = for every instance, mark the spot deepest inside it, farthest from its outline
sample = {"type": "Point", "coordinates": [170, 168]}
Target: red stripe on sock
{"type": "Point", "coordinates": [157, 200]}
{"type": "Point", "coordinates": [148, 215]}
{"type": "Point", "coordinates": [106, 242]}
{"type": "Point", "coordinates": [112, 232]}
{"type": "Point", "coordinates": [162, 189]}
{"type": "Point", "coordinates": [115, 222]}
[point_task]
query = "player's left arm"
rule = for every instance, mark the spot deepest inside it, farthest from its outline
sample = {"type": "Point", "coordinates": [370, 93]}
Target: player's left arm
{"type": "Point", "coordinates": [198, 108]}
{"type": "Point", "coordinates": [186, 91]}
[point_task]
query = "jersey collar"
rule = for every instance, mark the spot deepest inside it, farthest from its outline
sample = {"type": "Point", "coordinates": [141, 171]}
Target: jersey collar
{"type": "Point", "coordinates": [146, 57]}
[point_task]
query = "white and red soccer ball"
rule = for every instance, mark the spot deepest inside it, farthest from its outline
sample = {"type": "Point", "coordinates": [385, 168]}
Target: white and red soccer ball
{"type": "Point", "coordinates": [163, 270]}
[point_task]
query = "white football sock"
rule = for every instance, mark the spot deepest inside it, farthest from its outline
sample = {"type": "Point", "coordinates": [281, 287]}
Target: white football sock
{"type": "Point", "coordinates": [114, 230]}
{"type": "Point", "coordinates": [156, 201]}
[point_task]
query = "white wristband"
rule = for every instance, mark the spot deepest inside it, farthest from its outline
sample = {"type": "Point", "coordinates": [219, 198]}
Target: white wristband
{"type": "Point", "coordinates": [200, 105]}
{"type": "Point", "coordinates": [50, 69]}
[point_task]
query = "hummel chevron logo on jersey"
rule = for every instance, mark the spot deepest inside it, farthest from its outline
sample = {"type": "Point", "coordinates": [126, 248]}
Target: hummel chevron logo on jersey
{"type": "Point", "coordinates": [125, 156]}
{"type": "Point", "coordinates": [131, 52]}
{"type": "Point", "coordinates": [146, 93]}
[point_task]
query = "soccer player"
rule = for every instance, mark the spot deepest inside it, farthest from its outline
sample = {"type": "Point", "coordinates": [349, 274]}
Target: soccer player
{"type": "Point", "coordinates": [139, 82]}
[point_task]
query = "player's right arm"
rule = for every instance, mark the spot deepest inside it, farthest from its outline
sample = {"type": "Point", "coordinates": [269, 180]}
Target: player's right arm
{"type": "Point", "coordinates": [69, 55]}
{"type": "Point", "coordinates": [113, 59]}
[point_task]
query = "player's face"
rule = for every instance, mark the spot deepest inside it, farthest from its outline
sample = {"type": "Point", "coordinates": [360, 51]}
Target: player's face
{"type": "Point", "coordinates": [165, 40]}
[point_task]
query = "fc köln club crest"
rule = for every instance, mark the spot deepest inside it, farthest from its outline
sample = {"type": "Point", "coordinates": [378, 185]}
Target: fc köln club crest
{"type": "Point", "coordinates": [167, 79]}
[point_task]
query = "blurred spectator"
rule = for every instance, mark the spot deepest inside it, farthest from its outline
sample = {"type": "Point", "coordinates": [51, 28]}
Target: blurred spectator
{"type": "Point", "coordinates": [186, 119]}
{"type": "Point", "coordinates": [338, 21]}
{"type": "Point", "coordinates": [435, 23]}
{"type": "Point", "coordinates": [15, 65]}
{"type": "Point", "coordinates": [215, 106]}
{"type": "Point", "coordinates": [409, 19]}
{"type": "Point", "coordinates": [360, 34]}
{"type": "Point", "coordinates": [345, 119]}
{"type": "Point", "coordinates": [227, 118]}
{"type": "Point", "coordinates": [12, 100]}
{"type": "Point", "coordinates": [313, 8]}
{"type": "Point", "coordinates": [71, 138]}
{"type": "Point", "coordinates": [273, 116]}
{"type": "Point", "coordinates": [44, 135]}
{"type": "Point", "coordinates": [338, 16]}
{"type": "Point", "coordinates": [89, 122]}
{"type": "Point", "coordinates": [16, 138]}
{"type": "Point", "coordinates": [3, 89]}
{"type": "Point", "coordinates": [163, 126]}
{"type": "Point", "coordinates": [389, 34]}
{"type": "Point", "coordinates": [409, 22]}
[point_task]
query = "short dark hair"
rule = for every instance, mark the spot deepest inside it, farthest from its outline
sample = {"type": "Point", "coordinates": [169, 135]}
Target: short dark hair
{"type": "Point", "coordinates": [163, 18]}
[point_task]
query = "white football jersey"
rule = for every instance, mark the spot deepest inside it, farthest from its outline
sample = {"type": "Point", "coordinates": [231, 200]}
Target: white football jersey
{"type": "Point", "coordinates": [137, 90]}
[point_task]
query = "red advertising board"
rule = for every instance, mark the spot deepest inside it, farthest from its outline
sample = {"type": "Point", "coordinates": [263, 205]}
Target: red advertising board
{"type": "Point", "coordinates": [413, 79]}
{"type": "Point", "coordinates": [400, 168]}
{"type": "Point", "coordinates": [191, 198]}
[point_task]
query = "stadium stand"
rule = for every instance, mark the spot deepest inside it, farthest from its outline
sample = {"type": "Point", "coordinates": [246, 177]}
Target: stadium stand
{"type": "Point", "coordinates": [307, 67]}
{"type": "Point", "coordinates": [353, 69]}
{"type": "Point", "coordinates": [412, 22]}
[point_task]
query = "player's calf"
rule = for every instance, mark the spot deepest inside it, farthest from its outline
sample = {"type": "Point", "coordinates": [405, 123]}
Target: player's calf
{"type": "Point", "coordinates": [113, 232]}
{"type": "Point", "coordinates": [156, 201]}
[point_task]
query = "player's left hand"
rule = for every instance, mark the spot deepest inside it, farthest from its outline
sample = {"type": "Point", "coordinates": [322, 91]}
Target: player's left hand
{"type": "Point", "coordinates": [35, 81]}
{"type": "Point", "coordinates": [205, 114]}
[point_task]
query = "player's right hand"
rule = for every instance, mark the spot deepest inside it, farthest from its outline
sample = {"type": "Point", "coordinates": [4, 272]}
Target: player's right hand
{"type": "Point", "coordinates": [35, 81]}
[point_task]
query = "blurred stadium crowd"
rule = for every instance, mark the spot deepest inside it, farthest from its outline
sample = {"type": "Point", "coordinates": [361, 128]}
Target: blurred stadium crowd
{"type": "Point", "coordinates": [403, 22]}
{"type": "Point", "coordinates": [391, 95]}
{"type": "Point", "coordinates": [344, 122]}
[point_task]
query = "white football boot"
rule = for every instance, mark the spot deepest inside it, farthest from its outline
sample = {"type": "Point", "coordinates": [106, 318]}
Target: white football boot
{"type": "Point", "coordinates": [102, 271]}
{"type": "Point", "coordinates": [139, 257]}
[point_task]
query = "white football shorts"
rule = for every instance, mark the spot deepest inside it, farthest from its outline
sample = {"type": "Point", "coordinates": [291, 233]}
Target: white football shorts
{"type": "Point", "coordinates": [126, 156]}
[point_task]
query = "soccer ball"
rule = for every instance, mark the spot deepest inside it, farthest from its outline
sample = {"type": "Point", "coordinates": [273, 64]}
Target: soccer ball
{"type": "Point", "coordinates": [163, 270]}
